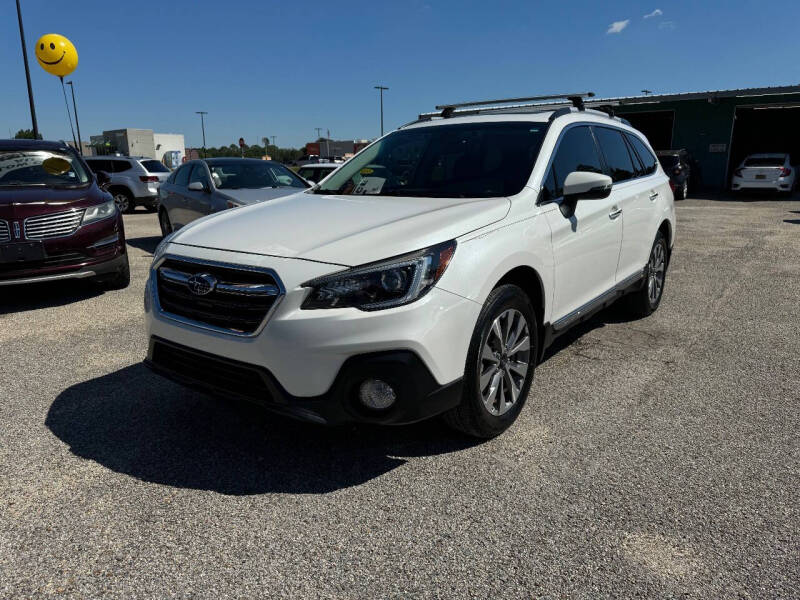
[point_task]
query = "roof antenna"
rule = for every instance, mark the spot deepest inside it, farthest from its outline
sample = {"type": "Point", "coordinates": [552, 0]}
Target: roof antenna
{"type": "Point", "coordinates": [577, 101]}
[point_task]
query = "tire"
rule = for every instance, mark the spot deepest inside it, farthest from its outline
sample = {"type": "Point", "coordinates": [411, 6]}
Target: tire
{"type": "Point", "coordinates": [645, 301]}
{"type": "Point", "coordinates": [684, 190]}
{"type": "Point", "coordinates": [121, 279]}
{"type": "Point", "coordinates": [496, 383]}
{"type": "Point", "coordinates": [124, 200]}
{"type": "Point", "coordinates": [164, 222]}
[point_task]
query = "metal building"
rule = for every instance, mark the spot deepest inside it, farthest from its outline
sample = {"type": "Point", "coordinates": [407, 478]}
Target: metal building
{"type": "Point", "coordinates": [719, 128]}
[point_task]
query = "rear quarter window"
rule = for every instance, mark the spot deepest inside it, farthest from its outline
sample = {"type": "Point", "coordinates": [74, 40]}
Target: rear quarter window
{"type": "Point", "coordinates": [645, 156]}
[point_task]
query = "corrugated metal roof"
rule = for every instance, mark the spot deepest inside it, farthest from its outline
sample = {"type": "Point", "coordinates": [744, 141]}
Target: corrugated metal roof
{"type": "Point", "coordinates": [737, 93]}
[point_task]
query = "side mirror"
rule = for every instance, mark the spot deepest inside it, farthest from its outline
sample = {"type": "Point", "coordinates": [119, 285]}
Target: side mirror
{"type": "Point", "coordinates": [198, 186]}
{"type": "Point", "coordinates": [103, 178]}
{"type": "Point", "coordinates": [582, 185]}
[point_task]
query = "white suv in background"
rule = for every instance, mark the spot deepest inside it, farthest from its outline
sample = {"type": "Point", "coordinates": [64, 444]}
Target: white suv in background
{"type": "Point", "coordinates": [425, 277]}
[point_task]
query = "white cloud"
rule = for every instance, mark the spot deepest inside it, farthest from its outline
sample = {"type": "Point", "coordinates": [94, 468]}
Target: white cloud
{"type": "Point", "coordinates": [618, 26]}
{"type": "Point", "coordinates": [668, 25]}
{"type": "Point", "coordinates": [656, 13]}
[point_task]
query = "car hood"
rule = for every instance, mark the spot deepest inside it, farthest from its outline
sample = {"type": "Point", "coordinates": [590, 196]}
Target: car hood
{"type": "Point", "coordinates": [343, 230]}
{"type": "Point", "coordinates": [247, 196]}
{"type": "Point", "coordinates": [18, 203]}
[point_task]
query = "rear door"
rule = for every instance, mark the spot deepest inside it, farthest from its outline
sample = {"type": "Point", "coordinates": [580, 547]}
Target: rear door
{"type": "Point", "coordinates": [586, 245]}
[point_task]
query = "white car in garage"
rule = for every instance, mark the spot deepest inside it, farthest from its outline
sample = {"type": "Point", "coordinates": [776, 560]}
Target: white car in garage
{"type": "Point", "coordinates": [768, 172]}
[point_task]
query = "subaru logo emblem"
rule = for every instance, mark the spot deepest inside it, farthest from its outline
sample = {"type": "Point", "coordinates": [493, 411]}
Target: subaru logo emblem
{"type": "Point", "coordinates": [16, 230]}
{"type": "Point", "coordinates": [202, 284]}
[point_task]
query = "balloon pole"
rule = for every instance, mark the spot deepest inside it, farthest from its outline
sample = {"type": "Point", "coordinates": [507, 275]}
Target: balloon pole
{"type": "Point", "coordinates": [69, 115]}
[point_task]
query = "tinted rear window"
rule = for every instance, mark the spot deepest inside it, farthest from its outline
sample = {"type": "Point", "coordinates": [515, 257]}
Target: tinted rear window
{"type": "Point", "coordinates": [154, 166]}
{"type": "Point", "coordinates": [765, 162]}
{"type": "Point", "coordinates": [120, 166]}
{"type": "Point", "coordinates": [618, 160]}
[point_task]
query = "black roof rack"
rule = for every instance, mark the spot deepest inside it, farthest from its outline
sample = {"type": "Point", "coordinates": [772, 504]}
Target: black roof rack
{"type": "Point", "coordinates": [447, 110]}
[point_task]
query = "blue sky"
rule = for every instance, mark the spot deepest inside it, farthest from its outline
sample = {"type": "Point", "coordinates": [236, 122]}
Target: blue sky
{"type": "Point", "coordinates": [283, 68]}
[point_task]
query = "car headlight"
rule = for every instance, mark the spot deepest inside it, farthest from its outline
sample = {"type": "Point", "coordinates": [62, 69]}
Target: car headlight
{"type": "Point", "coordinates": [162, 246]}
{"type": "Point", "coordinates": [101, 211]}
{"type": "Point", "coordinates": [385, 284]}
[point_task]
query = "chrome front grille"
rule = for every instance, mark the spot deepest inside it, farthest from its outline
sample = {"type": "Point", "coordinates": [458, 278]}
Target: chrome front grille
{"type": "Point", "coordinates": [228, 298]}
{"type": "Point", "coordinates": [5, 232]}
{"type": "Point", "coordinates": [53, 225]}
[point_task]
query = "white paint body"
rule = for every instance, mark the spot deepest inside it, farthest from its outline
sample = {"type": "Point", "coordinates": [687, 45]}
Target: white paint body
{"type": "Point", "coordinates": [304, 236]}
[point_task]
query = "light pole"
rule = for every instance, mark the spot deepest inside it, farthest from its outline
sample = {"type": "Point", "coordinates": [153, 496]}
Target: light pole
{"type": "Point", "coordinates": [273, 140]}
{"type": "Point", "coordinates": [381, 88]}
{"type": "Point", "coordinates": [75, 110]}
{"type": "Point", "coordinates": [202, 114]}
{"type": "Point", "coordinates": [27, 74]}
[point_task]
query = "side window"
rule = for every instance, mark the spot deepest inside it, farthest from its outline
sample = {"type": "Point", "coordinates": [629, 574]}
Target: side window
{"type": "Point", "coordinates": [182, 175]}
{"type": "Point", "coordinates": [638, 168]}
{"type": "Point", "coordinates": [99, 165]}
{"type": "Point", "coordinates": [120, 166]}
{"type": "Point", "coordinates": [576, 151]}
{"type": "Point", "coordinates": [199, 174]}
{"type": "Point", "coordinates": [618, 159]}
{"type": "Point", "coordinates": [648, 160]}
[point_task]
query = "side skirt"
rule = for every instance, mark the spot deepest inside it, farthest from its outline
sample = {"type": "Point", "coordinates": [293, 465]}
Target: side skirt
{"type": "Point", "coordinates": [581, 314]}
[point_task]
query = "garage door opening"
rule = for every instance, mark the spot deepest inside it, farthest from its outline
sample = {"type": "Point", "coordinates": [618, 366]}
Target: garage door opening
{"type": "Point", "coordinates": [765, 129]}
{"type": "Point", "coordinates": [656, 125]}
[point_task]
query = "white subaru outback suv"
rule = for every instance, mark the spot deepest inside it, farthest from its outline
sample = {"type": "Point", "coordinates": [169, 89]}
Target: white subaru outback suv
{"type": "Point", "coordinates": [425, 277]}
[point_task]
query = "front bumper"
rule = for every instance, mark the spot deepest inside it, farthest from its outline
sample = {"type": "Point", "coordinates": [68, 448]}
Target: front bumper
{"type": "Point", "coordinates": [419, 396]}
{"type": "Point", "coordinates": [94, 249]}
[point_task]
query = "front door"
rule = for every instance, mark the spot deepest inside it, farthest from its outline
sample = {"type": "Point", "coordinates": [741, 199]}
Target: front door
{"type": "Point", "coordinates": [586, 244]}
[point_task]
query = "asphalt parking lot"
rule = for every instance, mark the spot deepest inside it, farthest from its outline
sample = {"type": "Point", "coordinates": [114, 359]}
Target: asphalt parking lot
{"type": "Point", "coordinates": [655, 458]}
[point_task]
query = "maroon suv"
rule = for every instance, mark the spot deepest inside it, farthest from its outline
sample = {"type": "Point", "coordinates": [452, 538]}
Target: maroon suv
{"type": "Point", "coordinates": [55, 220]}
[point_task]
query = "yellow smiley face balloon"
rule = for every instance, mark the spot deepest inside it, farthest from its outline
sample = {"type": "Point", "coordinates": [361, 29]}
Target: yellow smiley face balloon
{"type": "Point", "coordinates": [56, 54]}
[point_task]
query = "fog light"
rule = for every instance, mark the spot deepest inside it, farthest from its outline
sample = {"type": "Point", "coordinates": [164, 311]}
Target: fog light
{"type": "Point", "coordinates": [376, 394]}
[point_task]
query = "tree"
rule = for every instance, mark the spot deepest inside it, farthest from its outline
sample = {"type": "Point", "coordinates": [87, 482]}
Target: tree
{"type": "Point", "coordinates": [26, 134]}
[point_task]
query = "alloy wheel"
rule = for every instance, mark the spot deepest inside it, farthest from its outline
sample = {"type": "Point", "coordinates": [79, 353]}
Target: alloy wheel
{"type": "Point", "coordinates": [122, 202]}
{"type": "Point", "coordinates": [504, 361]}
{"type": "Point", "coordinates": [656, 267]}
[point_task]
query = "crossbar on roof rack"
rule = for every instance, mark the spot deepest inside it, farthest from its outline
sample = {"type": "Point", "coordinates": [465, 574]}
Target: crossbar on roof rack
{"type": "Point", "coordinates": [517, 100]}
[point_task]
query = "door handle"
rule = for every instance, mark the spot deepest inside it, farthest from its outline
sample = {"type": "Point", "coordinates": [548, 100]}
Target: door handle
{"type": "Point", "coordinates": [653, 196]}
{"type": "Point", "coordinates": [615, 212]}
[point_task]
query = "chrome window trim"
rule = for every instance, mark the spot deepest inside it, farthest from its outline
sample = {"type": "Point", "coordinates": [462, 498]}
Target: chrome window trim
{"type": "Point", "coordinates": [212, 263]}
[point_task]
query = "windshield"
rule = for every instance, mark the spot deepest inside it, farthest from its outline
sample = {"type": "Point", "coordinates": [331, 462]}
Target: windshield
{"type": "Point", "coordinates": [41, 168]}
{"type": "Point", "coordinates": [769, 161]}
{"type": "Point", "coordinates": [472, 160]}
{"type": "Point", "coordinates": [154, 166]}
{"type": "Point", "coordinates": [252, 175]}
